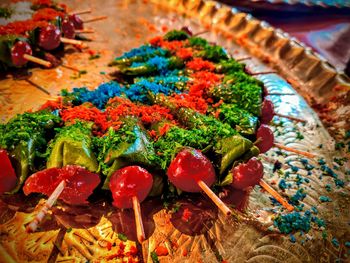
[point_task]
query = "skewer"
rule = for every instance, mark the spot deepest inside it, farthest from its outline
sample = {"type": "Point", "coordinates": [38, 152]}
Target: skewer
{"type": "Point", "coordinates": [70, 67]}
{"type": "Point", "coordinates": [73, 42]}
{"type": "Point", "coordinates": [81, 12]}
{"type": "Point", "coordinates": [84, 31]}
{"type": "Point", "coordinates": [289, 149]}
{"type": "Point", "coordinates": [37, 60]}
{"type": "Point", "coordinates": [262, 73]}
{"type": "Point", "coordinates": [138, 220]}
{"type": "Point", "coordinates": [33, 225]}
{"type": "Point", "coordinates": [276, 195]}
{"type": "Point", "coordinates": [243, 58]}
{"type": "Point", "coordinates": [220, 204]}
{"type": "Point", "coordinates": [200, 33]}
{"type": "Point", "coordinates": [290, 117]}
{"type": "Point", "coordinates": [95, 19]}
{"type": "Point", "coordinates": [37, 86]}
{"type": "Point", "coordinates": [280, 94]}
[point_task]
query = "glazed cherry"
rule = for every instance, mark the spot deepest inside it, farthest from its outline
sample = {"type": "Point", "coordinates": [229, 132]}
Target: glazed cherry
{"type": "Point", "coordinates": [247, 174]}
{"type": "Point", "coordinates": [265, 138]}
{"type": "Point", "coordinates": [8, 179]}
{"type": "Point", "coordinates": [80, 183]}
{"type": "Point", "coordinates": [49, 37]}
{"type": "Point", "coordinates": [68, 29]}
{"type": "Point", "coordinates": [17, 52]}
{"type": "Point", "coordinates": [267, 112]}
{"type": "Point", "coordinates": [189, 167]}
{"type": "Point", "coordinates": [77, 22]}
{"type": "Point", "coordinates": [187, 30]}
{"type": "Point", "coordinates": [128, 182]}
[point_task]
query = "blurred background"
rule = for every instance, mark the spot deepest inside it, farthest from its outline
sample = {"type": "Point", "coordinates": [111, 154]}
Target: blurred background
{"type": "Point", "coordinates": [322, 25]}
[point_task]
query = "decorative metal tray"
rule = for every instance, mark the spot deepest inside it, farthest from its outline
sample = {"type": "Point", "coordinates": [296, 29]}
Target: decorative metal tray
{"type": "Point", "coordinates": [209, 237]}
{"type": "Point", "coordinates": [324, 3]}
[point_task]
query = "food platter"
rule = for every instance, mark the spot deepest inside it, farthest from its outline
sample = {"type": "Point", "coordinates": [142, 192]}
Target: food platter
{"type": "Point", "coordinates": [325, 3]}
{"type": "Point", "coordinates": [212, 236]}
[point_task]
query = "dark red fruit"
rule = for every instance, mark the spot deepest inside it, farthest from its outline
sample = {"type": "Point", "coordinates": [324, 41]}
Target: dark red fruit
{"type": "Point", "coordinates": [49, 37]}
{"type": "Point", "coordinates": [17, 52]}
{"type": "Point", "coordinates": [265, 138]}
{"type": "Point", "coordinates": [188, 167]}
{"type": "Point", "coordinates": [267, 112]}
{"type": "Point", "coordinates": [128, 182]}
{"type": "Point", "coordinates": [77, 22]}
{"type": "Point", "coordinates": [187, 30]}
{"type": "Point", "coordinates": [8, 179]}
{"type": "Point", "coordinates": [247, 174]}
{"type": "Point", "coordinates": [68, 29]}
{"type": "Point", "coordinates": [80, 183]}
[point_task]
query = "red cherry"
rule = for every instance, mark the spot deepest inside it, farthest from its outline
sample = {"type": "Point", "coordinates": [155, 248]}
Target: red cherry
{"type": "Point", "coordinates": [17, 52]}
{"type": "Point", "coordinates": [68, 29]}
{"type": "Point", "coordinates": [8, 179]}
{"type": "Point", "coordinates": [49, 37]}
{"type": "Point", "coordinates": [188, 167]}
{"type": "Point", "coordinates": [265, 137]}
{"type": "Point", "coordinates": [187, 30]}
{"type": "Point", "coordinates": [267, 112]}
{"type": "Point", "coordinates": [128, 182]}
{"type": "Point", "coordinates": [247, 174]}
{"type": "Point", "coordinates": [80, 183]}
{"type": "Point", "coordinates": [77, 22]}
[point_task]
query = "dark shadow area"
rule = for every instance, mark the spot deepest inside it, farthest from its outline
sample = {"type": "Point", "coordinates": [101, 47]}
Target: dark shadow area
{"type": "Point", "coordinates": [123, 221]}
{"type": "Point", "coordinates": [197, 213]}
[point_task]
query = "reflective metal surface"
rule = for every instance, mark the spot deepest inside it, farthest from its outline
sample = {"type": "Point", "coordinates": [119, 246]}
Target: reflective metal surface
{"type": "Point", "coordinates": [131, 23]}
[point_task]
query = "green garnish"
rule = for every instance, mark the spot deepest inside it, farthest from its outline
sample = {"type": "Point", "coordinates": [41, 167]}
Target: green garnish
{"type": "Point", "coordinates": [5, 12]}
{"type": "Point", "coordinates": [122, 237]}
{"type": "Point", "coordinates": [154, 257]}
{"type": "Point", "coordinates": [96, 56]}
{"type": "Point", "coordinates": [176, 35]}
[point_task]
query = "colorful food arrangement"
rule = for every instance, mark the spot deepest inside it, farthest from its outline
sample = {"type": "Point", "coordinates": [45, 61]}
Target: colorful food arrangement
{"type": "Point", "coordinates": [181, 116]}
{"type": "Point", "coordinates": [37, 33]}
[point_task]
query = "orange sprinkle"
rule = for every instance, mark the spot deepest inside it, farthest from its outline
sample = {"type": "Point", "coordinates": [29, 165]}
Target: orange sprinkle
{"type": "Point", "coordinates": [184, 53]}
{"type": "Point", "coordinates": [200, 64]}
{"type": "Point", "coordinates": [47, 14]}
{"type": "Point", "coordinates": [164, 129]}
{"type": "Point", "coordinates": [121, 107]}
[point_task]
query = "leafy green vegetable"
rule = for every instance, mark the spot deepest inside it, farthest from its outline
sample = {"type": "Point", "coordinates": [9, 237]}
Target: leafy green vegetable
{"type": "Point", "coordinates": [176, 35]}
{"type": "Point", "coordinates": [253, 151]}
{"type": "Point", "coordinates": [197, 42]}
{"type": "Point", "coordinates": [73, 145]}
{"type": "Point", "coordinates": [242, 90]}
{"type": "Point", "coordinates": [26, 137]}
{"type": "Point", "coordinates": [128, 145]}
{"type": "Point", "coordinates": [175, 139]}
{"type": "Point", "coordinates": [229, 66]}
{"type": "Point", "coordinates": [23, 127]}
{"type": "Point", "coordinates": [240, 119]}
{"type": "Point", "coordinates": [213, 53]}
{"type": "Point", "coordinates": [204, 132]}
{"type": "Point", "coordinates": [230, 149]}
